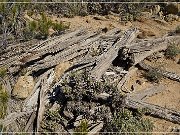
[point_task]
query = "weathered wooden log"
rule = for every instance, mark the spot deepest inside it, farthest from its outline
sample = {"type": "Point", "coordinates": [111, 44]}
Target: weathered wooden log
{"type": "Point", "coordinates": [51, 41]}
{"type": "Point", "coordinates": [170, 75]}
{"type": "Point", "coordinates": [12, 117]}
{"type": "Point", "coordinates": [30, 124]}
{"type": "Point", "coordinates": [148, 92]}
{"type": "Point", "coordinates": [42, 99]}
{"type": "Point", "coordinates": [154, 110]}
{"type": "Point", "coordinates": [112, 53]}
{"type": "Point", "coordinates": [37, 50]}
{"type": "Point", "coordinates": [95, 129]}
{"type": "Point", "coordinates": [56, 46]}
{"type": "Point", "coordinates": [139, 51]}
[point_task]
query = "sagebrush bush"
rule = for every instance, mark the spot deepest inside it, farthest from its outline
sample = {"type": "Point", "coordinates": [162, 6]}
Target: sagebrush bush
{"type": "Point", "coordinates": [153, 76]}
{"type": "Point", "coordinates": [82, 129]}
{"type": "Point", "coordinates": [3, 72]}
{"type": "Point", "coordinates": [3, 102]}
{"type": "Point", "coordinates": [172, 51]}
{"type": "Point", "coordinates": [178, 29]}
{"type": "Point", "coordinates": [33, 25]}
{"type": "Point", "coordinates": [59, 26]}
{"type": "Point", "coordinates": [128, 121]}
{"type": "Point", "coordinates": [40, 29]}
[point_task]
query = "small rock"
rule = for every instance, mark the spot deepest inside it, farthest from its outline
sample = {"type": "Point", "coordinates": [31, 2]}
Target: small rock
{"type": "Point", "coordinates": [51, 31]}
{"type": "Point", "coordinates": [103, 96]}
{"type": "Point", "coordinates": [110, 73]}
{"type": "Point", "coordinates": [145, 34]}
{"type": "Point", "coordinates": [60, 69]}
{"type": "Point", "coordinates": [23, 87]}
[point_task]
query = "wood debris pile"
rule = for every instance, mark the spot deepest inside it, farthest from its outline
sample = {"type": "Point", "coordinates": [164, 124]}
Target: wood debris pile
{"type": "Point", "coordinates": [94, 51]}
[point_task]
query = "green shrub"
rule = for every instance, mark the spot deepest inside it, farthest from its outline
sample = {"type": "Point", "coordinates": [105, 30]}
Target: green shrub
{"type": "Point", "coordinates": [30, 12]}
{"type": "Point", "coordinates": [3, 72]}
{"type": "Point", "coordinates": [172, 51]}
{"type": "Point", "coordinates": [178, 29]}
{"type": "Point", "coordinates": [75, 9]}
{"type": "Point", "coordinates": [82, 129]}
{"type": "Point", "coordinates": [153, 76]}
{"type": "Point", "coordinates": [40, 29]}
{"type": "Point", "coordinates": [33, 25]}
{"type": "Point", "coordinates": [128, 121]}
{"type": "Point", "coordinates": [59, 26]}
{"type": "Point", "coordinates": [3, 102]}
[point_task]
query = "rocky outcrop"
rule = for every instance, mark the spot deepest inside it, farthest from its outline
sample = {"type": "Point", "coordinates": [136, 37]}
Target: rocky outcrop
{"type": "Point", "coordinates": [23, 87]}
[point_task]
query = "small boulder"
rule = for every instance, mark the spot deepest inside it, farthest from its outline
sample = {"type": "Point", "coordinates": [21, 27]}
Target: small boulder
{"type": "Point", "coordinates": [23, 87]}
{"type": "Point", "coordinates": [51, 31]}
{"type": "Point", "coordinates": [60, 69]}
{"type": "Point", "coordinates": [145, 34]}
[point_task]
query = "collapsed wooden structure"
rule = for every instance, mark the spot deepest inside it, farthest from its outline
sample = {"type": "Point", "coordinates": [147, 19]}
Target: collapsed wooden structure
{"type": "Point", "coordinates": [82, 49]}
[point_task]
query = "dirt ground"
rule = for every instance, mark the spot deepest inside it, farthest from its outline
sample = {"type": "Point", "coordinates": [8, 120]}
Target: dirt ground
{"type": "Point", "coordinates": [169, 97]}
{"type": "Point", "coordinates": [148, 27]}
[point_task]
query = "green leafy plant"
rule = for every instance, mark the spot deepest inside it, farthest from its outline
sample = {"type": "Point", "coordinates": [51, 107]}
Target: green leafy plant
{"type": "Point", "coordinates": [40, 29]}
{"type": "Point", "coordinates": [82, 129]}
{"type": "Point", "coordinates": [33, 25]}
{"type": "Point", "coordinates": [3, 72]}
{"type": "Point", "coordinates": [153, 76]}
{"type": "Point", "coordinates": [3, 102]}
{"type": "Point", "coordinates": [59, 26]}
{"type": "Point", "coordinates": [178, 29]}
{"type": "Point", "coordinates": [127, 121]}
{"type": "Point", "coordinates": [11, 23]}
{"type": "Point", "coordinates": [51, 120]}
{"type": "Point", "coordinates": [172, 51]}
{"type": "Point", "coordinates": [75, 9]}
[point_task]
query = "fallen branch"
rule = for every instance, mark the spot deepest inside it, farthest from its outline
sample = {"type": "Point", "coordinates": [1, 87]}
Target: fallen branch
{"type": "Point", "coordinates": [170, 75]}
{"type": "Point", "coordinates": [142, 95]}
{"type": "Point", "coordinates": [139, 51]}
{"type": "Point", "coordinates": [154, 110]}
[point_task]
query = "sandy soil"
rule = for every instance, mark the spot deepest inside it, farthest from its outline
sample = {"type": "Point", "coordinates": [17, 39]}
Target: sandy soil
{"type": "Point", "coordinates": [150, 27]}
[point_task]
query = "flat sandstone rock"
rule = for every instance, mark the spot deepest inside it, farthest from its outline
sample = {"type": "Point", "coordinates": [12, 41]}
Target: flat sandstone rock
{"type": "Point", "coordinates": [23, 87]}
